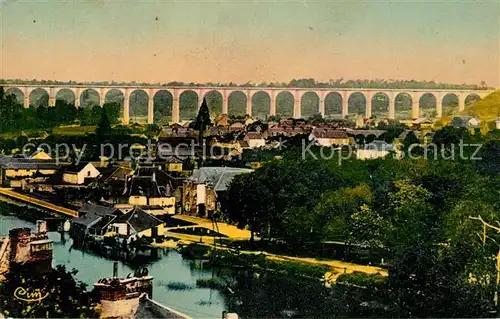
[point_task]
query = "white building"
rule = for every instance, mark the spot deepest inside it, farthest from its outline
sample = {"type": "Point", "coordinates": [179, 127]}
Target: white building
{"type": "Point", "coordinates": [76, 174]}
{"type": "Point", "coordinates": [376, 149]}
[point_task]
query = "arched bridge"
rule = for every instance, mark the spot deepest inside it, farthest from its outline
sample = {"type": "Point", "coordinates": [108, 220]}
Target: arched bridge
{"type": "Point", "coordinates": [321, 95]}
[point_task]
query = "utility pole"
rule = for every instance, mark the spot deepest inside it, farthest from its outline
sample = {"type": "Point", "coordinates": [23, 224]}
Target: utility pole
{"type": "Point", "coordinates": [483, 237]}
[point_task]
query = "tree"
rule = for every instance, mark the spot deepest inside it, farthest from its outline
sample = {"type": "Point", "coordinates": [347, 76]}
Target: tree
{"type": "Point", "coordinates": [104, 127]}
{"type": "Point", "coordinates": [202, 119]}
{"type": "Point", "coordinates": [66, 297]}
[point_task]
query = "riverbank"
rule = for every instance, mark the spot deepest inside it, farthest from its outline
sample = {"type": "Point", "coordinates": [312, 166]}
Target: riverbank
{"type": "Point", "coordinates": [203, 247]}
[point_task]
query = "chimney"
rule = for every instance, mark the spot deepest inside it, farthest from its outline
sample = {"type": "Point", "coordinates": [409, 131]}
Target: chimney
{"type": "Point", "coordinates": [41, 226]}
{"type": "Point", "coordinates": [115, 269]}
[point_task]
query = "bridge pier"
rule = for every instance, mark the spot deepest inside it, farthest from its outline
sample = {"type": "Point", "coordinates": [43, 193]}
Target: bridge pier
{"type": "Point", "coordinates": [249, 102]}
{"type": "Point", "coordinates": [415, 109]}
{"type": "Point", "coordinates": [175, 107]}
{"type": "Point", "coordinates": [52, 97]}
{"type": "Point", "coordinates": [368, 104]}
{"type": "Point", "coordinates": [151, 110]}
{"type": "Point", "coordinates": [225, 102]}
{"type": "Point", "coordinates": [321, 107]}
{"type": "Point", "coordinates": [296, 104]}
{"type": "Point", "coordinates": [26, 92]}
{"type": "Point", "coordinates": [77, 98]}
{"type": "Point", "coordinates": [345, 104]}
{"type": "Point", "coordinates": [102, 97]}
{"type": "Point", "coordinates": [439, 104]}
{"type": "Point", "coordinates": [126, 107]}
{"type": "Point", "coordinates": [392, 106]}
{"type": "Point", "coordinates": [461, 102]}
{"type": "Point", "coordinates": [272, 107]}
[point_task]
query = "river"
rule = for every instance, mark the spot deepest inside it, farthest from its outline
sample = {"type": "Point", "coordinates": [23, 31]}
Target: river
{"type": "Point", "coordinates": [171, 268]}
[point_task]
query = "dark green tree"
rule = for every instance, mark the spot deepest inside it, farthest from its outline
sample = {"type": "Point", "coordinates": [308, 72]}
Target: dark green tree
{"type": "Point", "coordinates": [103, 127]}
{"type": "Point", "coordinates": [203, 119]}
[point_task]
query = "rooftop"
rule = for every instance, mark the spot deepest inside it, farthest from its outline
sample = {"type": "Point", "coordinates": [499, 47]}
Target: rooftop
{"type": "Point", "coordinates": [218, 177]}
{"type": "Point", "coordinates": [139, 220]}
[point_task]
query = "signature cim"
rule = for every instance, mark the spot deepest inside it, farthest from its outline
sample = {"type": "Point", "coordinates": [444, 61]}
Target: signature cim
{"type": "Point", "coordinates": [29, 295]}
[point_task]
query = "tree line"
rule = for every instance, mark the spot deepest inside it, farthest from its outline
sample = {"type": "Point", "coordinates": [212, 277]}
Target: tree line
{"type": "Point", "coordinates": [14, 117]}
{"type": "Point", "coordinates": [301, 83]}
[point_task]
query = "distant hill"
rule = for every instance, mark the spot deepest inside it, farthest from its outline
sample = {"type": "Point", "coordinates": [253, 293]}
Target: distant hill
{"type": "Point", "coordinates": [486, 109]}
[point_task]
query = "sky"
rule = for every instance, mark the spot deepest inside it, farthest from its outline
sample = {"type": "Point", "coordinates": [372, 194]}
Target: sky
{"type": "Point", "coordinates": [240, 41]}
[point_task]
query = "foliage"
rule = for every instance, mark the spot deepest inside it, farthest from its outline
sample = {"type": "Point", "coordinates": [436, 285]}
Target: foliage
{"type": "Point", "coordinates": [416, 210]}
{"type": "Point", "coordinates": [66, 297]}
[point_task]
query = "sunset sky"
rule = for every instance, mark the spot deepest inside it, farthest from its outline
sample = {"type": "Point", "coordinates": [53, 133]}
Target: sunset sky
{"type": "Point", "coordinates": [239, 41]}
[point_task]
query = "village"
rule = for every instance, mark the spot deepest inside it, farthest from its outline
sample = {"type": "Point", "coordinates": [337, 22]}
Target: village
{"type": "Point", "coordinates": [135, 196]}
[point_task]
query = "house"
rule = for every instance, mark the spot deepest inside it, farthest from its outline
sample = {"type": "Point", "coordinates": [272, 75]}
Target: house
{"type": "Point", "coordinates": [111, 174]}
{"type": "Point", "coordinates": [15, 171]}
{"type": "Point", "coordinates": [173, 164]}
{"type": "Point", "coordinates": [255, 139]}
{"type": "Point", "coordinates": [286, 122]}
{"type": "Point", "coordinates": [422, 123]}
{"type": "Point", "coordinates": [497, 123]}
{"type": "Point", "coordinates": [150, 187]}
{"type": "Point", "coordinates": [92, 221]}
{"type": "Point", "coordinates": [360, 121]}
{"type": "Point", "coordinates": [375, 149]}
{"type": "Point", "coordinates": [41, 155]}
{"type": "Point", "coordinates": [466, 121]}
{"type": "Point", "coordinates": [222, 120]}
{"type": "Point", "coordinates": [236, 126]}
{"type": "Point", "coordinates": [329, 137]}
{"type": "Point", "coordinates": [180, 147]}
{"type": "Point", "coordinates": [201, 190]}
{"type": "Point", "coordinates": [365, 133]}
{"type": "Point", "coordinates": [77, 174]}
{"type": "Point", "coordinates": [135, 224]}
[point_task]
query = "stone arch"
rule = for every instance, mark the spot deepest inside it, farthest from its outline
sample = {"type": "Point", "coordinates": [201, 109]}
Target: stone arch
{"type": "Point", "coordinates": [427, 105]}
{"type": "Point", "coordinates": [284, 104]}
{"type": "Point", "coordinates": [188, 105]}
{"type": "Point", "coordinates": [261, 104]}
{"type": "Point", "coordinates": [214, 101]}
{"type": "Point", "coordinates": [18, 93]}
{"type": "Point", "coordinates": [89, 98]}
{"type": "Point", "coordinates": [163, 101]}
{"type": "Point", "coordinates": [402, 106]}
{"type": "Point", "coordinates": [471, 98]}
{"type": "Point", "coordinates": [39, 97]}
{"type": "Point", "coordinates": [380, 105]}
{"type": "Point", "coordinates": [66, 95]}
{"type": "Point", "coordinates": [237, 102]}
{"type": "Point", "coordinates": [333, 104]}
{"type": "Point", "coordinates": [356, 104]}
{"type": "Point", "coordinates": [309, 104]}
{"type": "Point", "coordinates": [450, 103]}
{"type": "Point", "coordinates": [115, 96]}
{"type": "Point", "coordinates": [138, 106]}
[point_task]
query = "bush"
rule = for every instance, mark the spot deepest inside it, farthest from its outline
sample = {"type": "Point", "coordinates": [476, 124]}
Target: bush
{"type": "Point", "coordinates": [195, 251]}
{"type": "Point", "coordinates": [362, 279]}
{"type": "Point", "coordinates": [212, 283]}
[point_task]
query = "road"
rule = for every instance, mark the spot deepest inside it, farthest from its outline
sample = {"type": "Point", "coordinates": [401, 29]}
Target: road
{"type": "Point", "coordinates": [38, 202]}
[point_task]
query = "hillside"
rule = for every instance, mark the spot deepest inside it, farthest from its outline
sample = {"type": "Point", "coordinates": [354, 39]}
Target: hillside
{"type": "Point", "coordinates": [486, 109]}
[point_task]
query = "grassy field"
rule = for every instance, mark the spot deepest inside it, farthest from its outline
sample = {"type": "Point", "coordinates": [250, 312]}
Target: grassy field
{"type": "Point", "coordinates": [73, 130]}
